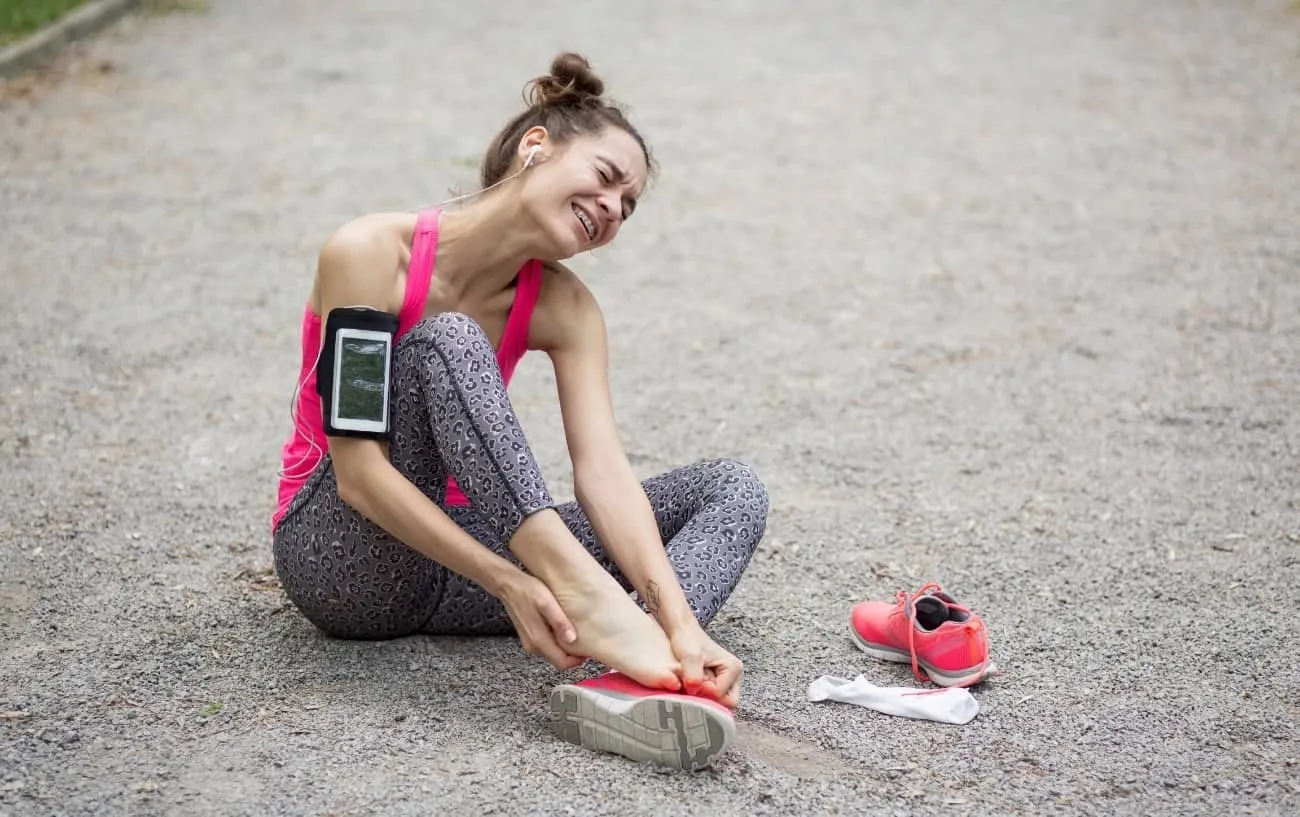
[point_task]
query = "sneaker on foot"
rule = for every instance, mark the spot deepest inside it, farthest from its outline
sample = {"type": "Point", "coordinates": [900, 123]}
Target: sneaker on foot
{"type": "Point", "coordinates": [613, 713]}
{"type": "Point", "coordinates": [929, 630]}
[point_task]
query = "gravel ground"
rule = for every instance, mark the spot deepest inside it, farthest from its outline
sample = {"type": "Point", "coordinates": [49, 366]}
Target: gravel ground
{"type": "Point", "coordinates": [1001, 293]}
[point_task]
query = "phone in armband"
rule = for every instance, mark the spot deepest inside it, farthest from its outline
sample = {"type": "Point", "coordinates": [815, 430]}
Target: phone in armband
{"type": "Point", "coordinates": [354, 373]}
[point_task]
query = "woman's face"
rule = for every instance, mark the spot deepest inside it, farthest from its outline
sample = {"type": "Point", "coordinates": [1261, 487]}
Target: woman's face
{"type": "Point", "coordinates": [582, 191]}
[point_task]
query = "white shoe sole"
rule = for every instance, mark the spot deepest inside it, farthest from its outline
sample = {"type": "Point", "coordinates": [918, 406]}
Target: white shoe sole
{"type": "Point", "coordinates": [667, 731]}
{"type": "Point", "coordinates": [943, 679]}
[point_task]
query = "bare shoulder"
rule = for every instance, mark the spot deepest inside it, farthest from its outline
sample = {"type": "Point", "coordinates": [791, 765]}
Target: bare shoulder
{"type": "Point", "coordinates": [376, 234]}
{"type": "Point", "coordinates": [362, 261]}
{"type": "Point", "coordinates": [562, 289]}
{"type": "Point", "coordinates": [567, 313]}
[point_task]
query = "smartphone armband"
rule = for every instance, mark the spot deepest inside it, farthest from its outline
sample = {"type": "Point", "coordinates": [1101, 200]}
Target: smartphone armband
{"type": "Point", "coordinates": [354, 372]}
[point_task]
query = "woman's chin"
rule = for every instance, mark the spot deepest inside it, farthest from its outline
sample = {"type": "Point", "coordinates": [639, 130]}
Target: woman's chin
{"type": "Point", "coordinates": [557, 253]}
{"type": "Point", "coordinates": [565, 245]}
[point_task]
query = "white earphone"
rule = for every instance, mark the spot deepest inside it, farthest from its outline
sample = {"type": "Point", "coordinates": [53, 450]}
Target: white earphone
{"type": "Point", "coordinates": [532, 151]}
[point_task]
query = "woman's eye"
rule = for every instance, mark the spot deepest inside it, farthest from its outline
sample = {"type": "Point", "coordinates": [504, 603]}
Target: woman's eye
{"type": "Point", "coordinates": [604, 177]}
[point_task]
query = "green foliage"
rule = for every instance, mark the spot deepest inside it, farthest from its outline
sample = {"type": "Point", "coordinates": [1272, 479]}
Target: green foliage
{"type": "Point", "coordinates": [168, 6]}
{"type": "Point", "coordinates": [18, 18]}
{"type": "Point", "coordinates": [210, 710]}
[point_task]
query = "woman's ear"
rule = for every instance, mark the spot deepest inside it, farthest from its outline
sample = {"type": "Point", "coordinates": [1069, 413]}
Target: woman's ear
{"type": "Point", "coordinates": [532, 144]}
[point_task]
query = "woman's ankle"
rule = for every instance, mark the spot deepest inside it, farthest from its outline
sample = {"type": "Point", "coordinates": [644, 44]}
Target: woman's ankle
{"type": "Point", "coordinates": [548, 549]}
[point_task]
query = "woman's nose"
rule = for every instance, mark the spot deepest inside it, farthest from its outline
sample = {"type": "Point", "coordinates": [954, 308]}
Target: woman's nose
{"type": "Point", "coordinates": [610, 205]}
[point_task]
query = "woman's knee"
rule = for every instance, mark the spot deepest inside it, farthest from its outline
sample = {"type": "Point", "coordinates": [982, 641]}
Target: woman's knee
{"type": "Point", "coordinates": [448, 340]}
{"type": "Point", "coordinates": [739, 482]}
{"type": "Point", "coordinates": [453, 328]}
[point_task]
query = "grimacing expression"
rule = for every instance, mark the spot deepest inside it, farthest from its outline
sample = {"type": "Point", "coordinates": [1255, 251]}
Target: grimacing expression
{"type": "Point", "coordinates": [583, 190]}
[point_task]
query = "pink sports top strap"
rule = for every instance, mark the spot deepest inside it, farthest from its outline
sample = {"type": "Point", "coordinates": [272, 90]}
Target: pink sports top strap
{"type": "Point", "coordinates": [419, 274]}
{"type": "Point", "coordinates": [424, 251]}
{"type": "Point", "coordinates": [514, 340]}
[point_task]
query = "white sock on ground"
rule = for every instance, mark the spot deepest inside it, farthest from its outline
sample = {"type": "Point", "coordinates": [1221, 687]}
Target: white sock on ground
{"type": "Point", "coordinates": [946, 705]}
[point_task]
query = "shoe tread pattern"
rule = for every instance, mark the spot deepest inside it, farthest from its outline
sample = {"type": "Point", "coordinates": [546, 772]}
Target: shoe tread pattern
{"type": "Point", "coordinates": [666, 732]}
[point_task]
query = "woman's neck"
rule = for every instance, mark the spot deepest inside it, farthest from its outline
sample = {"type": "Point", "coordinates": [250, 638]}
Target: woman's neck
{"type": "Point", "coordinates": [482, 247]}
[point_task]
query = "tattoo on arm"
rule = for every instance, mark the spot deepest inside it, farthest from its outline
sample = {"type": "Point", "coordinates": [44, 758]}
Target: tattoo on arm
{"type": "Point", "coordinates": [652, 597]}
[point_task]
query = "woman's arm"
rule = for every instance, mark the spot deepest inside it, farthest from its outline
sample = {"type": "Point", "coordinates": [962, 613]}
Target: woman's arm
{"type": "Point", "coordinates": [573, 334]}
{"type": "Point", "coordinates": [359, 267]}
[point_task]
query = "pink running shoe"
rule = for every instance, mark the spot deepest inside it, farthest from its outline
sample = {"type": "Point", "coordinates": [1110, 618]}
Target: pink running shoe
{"type": "Point", "coordinates": [615, 714]}
{"type": "Point", "coordinates": [926, 629]}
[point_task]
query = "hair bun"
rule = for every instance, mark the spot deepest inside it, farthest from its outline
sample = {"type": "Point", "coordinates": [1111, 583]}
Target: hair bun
{"type": "Point", "coordinates": [570, 83]}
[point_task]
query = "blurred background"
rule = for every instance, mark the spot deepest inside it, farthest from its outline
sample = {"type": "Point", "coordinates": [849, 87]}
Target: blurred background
{"type": "Point", "coordinates": [1001, 294]}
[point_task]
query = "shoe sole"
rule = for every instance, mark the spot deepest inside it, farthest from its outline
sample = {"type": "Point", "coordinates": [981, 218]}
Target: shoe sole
{"type": "Point", "coordinates": [667, 731]}
{"type": "Point", "coordinates": [941, 677]}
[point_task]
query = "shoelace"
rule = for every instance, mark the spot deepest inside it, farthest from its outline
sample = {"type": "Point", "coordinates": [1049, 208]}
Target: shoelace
{"type": "Point", "coordinates": [909, 604]}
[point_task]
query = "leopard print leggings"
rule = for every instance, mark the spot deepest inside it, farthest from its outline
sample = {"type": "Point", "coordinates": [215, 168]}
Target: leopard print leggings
{"type": "Point", "coordinates": [451, 415]}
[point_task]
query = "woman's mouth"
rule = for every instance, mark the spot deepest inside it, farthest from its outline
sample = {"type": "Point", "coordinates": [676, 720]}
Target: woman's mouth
{"type": "Point", "coordinates": [585, 220]}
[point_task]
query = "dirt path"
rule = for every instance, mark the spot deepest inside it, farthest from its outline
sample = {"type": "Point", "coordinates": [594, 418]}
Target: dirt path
{"type": "Point", "coordinates": [1002, 294]}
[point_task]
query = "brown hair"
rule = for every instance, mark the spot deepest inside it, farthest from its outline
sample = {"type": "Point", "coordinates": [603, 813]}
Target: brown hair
{"type": "Point", "coordinates": [568, 102]}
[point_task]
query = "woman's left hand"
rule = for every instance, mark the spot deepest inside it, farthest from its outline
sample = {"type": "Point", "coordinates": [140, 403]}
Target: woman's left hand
{"type": "Point", "coordinates": [706, 668]}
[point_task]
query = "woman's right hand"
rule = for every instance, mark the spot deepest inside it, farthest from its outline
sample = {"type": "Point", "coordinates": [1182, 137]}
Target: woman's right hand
{"type": "Point", "coordinates": [543, 628]}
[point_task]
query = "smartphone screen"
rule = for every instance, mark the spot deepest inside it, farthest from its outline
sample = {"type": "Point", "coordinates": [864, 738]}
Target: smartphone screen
{"type": "Point", "coordinates": [361, 380]}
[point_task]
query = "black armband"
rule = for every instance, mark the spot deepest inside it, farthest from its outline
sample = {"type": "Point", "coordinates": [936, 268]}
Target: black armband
{"type": "Point", "coordinates": [354, 372]}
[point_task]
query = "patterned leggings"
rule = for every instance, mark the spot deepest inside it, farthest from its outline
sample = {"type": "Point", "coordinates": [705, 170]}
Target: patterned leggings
{"type": "Point", "coordinates": [451, 415]}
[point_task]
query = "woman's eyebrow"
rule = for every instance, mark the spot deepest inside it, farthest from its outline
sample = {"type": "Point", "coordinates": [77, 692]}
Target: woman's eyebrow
{"type": "Point", "coordinates": [622, 176]}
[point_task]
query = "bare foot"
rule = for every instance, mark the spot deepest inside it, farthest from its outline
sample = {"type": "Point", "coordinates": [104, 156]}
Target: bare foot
{"type": "Point", "coordinates": [611, 627]}
{"type": "Point", "coordinates": [613, 630]}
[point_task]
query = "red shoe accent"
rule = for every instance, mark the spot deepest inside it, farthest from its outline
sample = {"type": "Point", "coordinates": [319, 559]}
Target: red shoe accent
{"type": "Point", "coordinates": [621, 684]}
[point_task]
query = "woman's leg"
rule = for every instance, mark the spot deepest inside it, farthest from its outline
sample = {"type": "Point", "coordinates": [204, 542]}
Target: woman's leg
{"type": "Point", "coordinates": [450, 415]}
{"type": "Point", "coordinates": [711, 516]}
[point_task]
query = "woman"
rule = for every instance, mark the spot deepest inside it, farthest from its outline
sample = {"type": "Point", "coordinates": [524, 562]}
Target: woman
{"type": "Point", "coordinates": [446, 526]}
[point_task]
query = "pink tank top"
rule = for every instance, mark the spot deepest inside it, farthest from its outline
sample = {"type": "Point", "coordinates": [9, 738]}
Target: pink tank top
{"type": "Point", "coordinates": [306, 445]}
